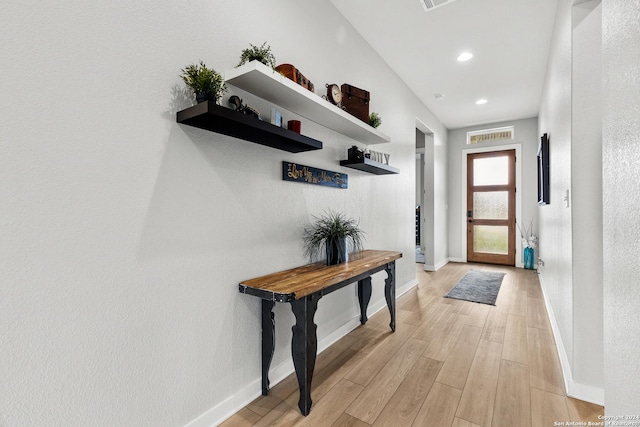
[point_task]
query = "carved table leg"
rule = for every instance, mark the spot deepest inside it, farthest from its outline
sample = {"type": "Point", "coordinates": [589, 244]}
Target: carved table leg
{"type": "Point", "coordinates": [364, 296]}
{"type": "Point", "coordinates": [390, 292]}
{"type": "Point", "coordinates": [268, 342]}
{"type": "Point", "coordinates": [304, 345]}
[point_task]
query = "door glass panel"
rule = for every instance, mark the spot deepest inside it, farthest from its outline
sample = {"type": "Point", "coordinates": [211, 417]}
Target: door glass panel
{"type": "Point", "coordinates": [491, 239]}
{"type": "Point", "coordinates": [491, 205]}
{"type": "Point", "coordinates": [491, 171]}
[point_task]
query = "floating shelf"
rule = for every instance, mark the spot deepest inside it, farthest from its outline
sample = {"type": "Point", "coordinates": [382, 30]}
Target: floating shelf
{"type": "Point", "coordinates": [262, 81]}
{"type": "Point", "coordinates": [209, 116]}
{"type": "Point", "coordinates": [371, 166]}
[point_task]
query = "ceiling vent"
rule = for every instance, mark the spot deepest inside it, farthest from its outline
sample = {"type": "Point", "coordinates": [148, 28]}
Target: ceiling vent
{"type": "Point", "coordinates": [429, 5]}
{"type": "Point", "coordinates": [486, 135]}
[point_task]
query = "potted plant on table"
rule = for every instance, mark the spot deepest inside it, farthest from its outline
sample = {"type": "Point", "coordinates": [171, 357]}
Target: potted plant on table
{"type": "Point", "coordinates": [206, 83]}
{"type": "Point", "coordinates": [255, 53]}
{"type": "Point", "coordinates": [331, 233]}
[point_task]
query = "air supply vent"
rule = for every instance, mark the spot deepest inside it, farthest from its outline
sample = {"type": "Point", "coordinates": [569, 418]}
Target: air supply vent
{"type": "Point", "coordinates": [429, 5]}
{"type": "Point", "coordinates": [486, 135]}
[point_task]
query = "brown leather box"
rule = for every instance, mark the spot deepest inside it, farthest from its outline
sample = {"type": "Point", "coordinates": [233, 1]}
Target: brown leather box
{"type": "Point", "coordinates": [356, 101]}
{"type": "Point", "coordinates": [292, 73]}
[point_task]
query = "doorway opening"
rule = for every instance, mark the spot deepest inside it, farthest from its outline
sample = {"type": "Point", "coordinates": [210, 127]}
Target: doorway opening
{"type": "Point", "coordinates": [419, 202]}
{"type": "Point", "coordinates": [424, 202]}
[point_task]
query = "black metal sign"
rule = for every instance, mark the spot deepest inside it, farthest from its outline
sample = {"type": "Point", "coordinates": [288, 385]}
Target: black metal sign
{"type": "Point", "coordinates": [310, 175]}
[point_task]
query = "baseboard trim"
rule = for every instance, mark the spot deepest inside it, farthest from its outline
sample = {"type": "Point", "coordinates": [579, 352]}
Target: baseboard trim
{"type": "Point", "coordinates": [452, 259]}
{"type": "Point", "coordinates": [562, 353]}
{"type": "Point", "coordinates": [573, 389]}
{"type": "Point", "coordinates": [246, 395]}
{"type": "Point", "coordinates": [436, 267]}
{"type": "Point", "coordinates": [585, 392]}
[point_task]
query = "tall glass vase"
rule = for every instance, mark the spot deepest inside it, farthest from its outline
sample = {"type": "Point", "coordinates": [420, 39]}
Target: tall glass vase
{"type": "Point", "coordinates": [528, 258]}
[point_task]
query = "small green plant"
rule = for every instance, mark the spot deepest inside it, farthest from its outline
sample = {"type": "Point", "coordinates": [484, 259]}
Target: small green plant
{"type": "Point", "coordinates": [375, 120]}
{"type": "Point", "coordinates": [205, 82]}
{"type": "Point", "coordinates": [255, 53]}
{"type": "Point", "coordinates": [330, 227]}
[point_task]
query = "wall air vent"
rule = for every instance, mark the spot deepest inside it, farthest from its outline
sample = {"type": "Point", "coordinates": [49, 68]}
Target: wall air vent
{"type": "Point", "coordinates": [486, 135]}
{"type": "Point", "coordinates": [429, 5]}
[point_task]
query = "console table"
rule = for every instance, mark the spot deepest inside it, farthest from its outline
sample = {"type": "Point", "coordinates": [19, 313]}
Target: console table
{"type": "Point", "coordinates": [303, 287]}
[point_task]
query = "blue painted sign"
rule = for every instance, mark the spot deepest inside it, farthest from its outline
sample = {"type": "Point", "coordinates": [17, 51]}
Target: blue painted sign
{"type": "Point", "coordinates": [310, 175]}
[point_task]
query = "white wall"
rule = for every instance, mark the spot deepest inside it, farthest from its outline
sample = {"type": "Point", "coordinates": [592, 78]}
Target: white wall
{"type": "Point", "coordinates": [125, 235]}
{"type": "Point", "coordinates": [621, 183]}
{"type": "Point", "coordinates": [554, 219]}
{"type": "Point", "coordinates": [586, 194]}
{"type": "Point", "coordinates": [571, 236]}
{"type": "Point", "coordinates": [441, 189]}
{"type": "Point", "coordinates": [526, 134]}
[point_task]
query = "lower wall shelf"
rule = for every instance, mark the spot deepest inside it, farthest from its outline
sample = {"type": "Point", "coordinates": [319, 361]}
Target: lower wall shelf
{"type": "Point", "coordinates": [371, 166]}
{"type": "Point", "coordinates": [212, 117]}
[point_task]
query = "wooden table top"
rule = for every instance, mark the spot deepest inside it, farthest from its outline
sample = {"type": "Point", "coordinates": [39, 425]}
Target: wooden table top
{"type": "Point", "coordinates": [310, 278]}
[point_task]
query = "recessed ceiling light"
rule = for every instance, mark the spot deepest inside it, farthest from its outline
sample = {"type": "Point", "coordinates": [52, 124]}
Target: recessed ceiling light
{"type": "Point", "coordinates": [481, 101]}
{"type": "Point", "coordinates": [465, 56]}
{"type": "Point", "coordinates": [438, 96]}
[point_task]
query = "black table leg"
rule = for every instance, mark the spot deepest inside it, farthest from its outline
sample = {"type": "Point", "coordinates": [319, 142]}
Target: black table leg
{"type": "Point", "coordinates": [390, 292]}
{"type": "Point", "coordinates": [364, 296]}
{"type": "Point", "coordinates": [304, 345]}
{"type": "Point", "coordinates": [268, 342]}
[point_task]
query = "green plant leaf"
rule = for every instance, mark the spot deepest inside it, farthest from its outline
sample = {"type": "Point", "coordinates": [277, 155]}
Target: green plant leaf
{"type": "Point", "coordinates": [255, 53]}
{"type": "Point", "coordinates": [375, 120]}
{"type": "Point", "coordinates": [203, 80]}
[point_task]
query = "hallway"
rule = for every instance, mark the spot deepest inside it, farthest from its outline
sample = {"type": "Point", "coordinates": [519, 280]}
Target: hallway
{"type": "Point", "coordinates": [449, 363]}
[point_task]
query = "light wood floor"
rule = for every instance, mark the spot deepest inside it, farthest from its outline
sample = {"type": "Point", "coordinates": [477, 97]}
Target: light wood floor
{"type": "Point", "coordinates": [449, 363]}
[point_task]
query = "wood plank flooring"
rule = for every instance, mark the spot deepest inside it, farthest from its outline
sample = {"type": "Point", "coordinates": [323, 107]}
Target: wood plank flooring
{"type": "Point", "coordinates": [449, 363]}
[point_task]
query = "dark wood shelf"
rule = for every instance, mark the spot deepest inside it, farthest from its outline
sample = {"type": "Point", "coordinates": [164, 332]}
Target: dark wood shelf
{"type": "Point", "coordinates": [371, 166]}
{"type": "Point", "coordinates": [212, 117]}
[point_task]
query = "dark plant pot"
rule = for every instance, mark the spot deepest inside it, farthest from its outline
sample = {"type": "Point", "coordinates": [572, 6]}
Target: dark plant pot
{"type": "Point", "coordinates": [201, 97]}
{"type": "Point", "coordinates": [337, 250]}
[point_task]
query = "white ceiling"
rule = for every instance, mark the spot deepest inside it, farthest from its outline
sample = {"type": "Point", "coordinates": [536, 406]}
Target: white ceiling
{"type": "Point", "coordinates": [508, 38]}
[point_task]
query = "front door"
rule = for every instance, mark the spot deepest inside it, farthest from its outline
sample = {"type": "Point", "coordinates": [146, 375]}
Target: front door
{"type": "Point", "coordinates": [491, 200]}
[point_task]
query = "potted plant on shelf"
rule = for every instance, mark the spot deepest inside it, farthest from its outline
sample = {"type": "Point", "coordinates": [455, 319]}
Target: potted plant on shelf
{"type": "Point", "coordinates": [255, 53]}
{"type": "Point", "coordinates": [331, 232]}
{"type": "Point", "coordinates": [375, 120]}
{"type": "Point", "coordinates": [205, 82]}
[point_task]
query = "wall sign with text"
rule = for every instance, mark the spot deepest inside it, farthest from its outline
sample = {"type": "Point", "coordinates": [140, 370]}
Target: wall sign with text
{"type": "Point", "coordinates": [310, 175]}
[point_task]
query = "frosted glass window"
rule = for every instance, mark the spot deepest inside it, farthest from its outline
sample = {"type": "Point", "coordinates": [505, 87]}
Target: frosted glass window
{"type": "Point", "coordinates": [491, 205]}
{"type": "Point", "coordinates": [491, 171]}
{"type": "Point", "coordinates": [491, 239]}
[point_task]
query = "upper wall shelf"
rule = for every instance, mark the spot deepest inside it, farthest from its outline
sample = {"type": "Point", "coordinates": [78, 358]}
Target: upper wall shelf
{"type": "Point", "coordinates": [262, 81]}
{"type": "Point", "coordinates": [207, 115]}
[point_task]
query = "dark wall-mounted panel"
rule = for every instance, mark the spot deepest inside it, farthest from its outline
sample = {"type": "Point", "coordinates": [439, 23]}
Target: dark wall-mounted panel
{"type": "Point", "coordinates": [310, 175]}
{"type": "Point", "coordinates": [543, 171]}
